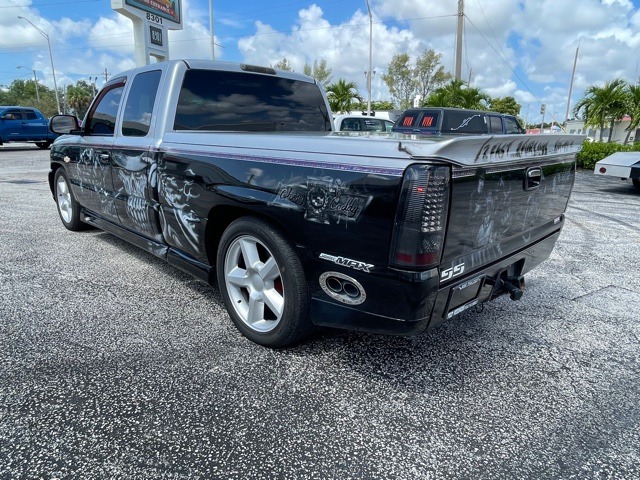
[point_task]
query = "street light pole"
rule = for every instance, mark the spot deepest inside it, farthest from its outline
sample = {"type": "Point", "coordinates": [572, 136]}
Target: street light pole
{"type": "Point", "coordinates": [370, 55]}
{"type": "Point", "coordinates": [213, 52]}
{"type": "Point", "coordinates": [55, 83]}
{"type": "Point", "coordinates": [35, 80]}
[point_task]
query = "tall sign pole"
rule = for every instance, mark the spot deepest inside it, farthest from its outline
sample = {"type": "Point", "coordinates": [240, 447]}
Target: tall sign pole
{"type": "Point", "coordinates": [459, 40]}
{"type": "Point", "coordinates": [151, 21]}
{"type": "Point", "coordinates": [370, 59]}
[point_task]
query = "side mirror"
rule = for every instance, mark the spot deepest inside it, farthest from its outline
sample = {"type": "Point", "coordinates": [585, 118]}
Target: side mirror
{"type": "Point", "coordinates": [63, 124]}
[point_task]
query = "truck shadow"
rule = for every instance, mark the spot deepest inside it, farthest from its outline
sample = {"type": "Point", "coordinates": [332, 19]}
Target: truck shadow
{"type": "Point", "coordinates": [451, 354]}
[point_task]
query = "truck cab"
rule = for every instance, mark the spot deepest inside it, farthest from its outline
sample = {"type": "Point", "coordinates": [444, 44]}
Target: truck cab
{"type": "Point", "coordinates": [456, 121]}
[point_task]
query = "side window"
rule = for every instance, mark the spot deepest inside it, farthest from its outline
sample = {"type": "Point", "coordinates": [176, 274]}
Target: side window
{"type": "Point", "coordinates": [139, 106]}
{"type": "Point", "coordinates": [13, 114]}
{"type": "Point", "coordinates": [512, 126]}
{"type": "Point", "coordinates": [388, 126]}
{"type": "Point", "coordinates": [103, 117]}
{"type": "Point", "coordinates": [350, 124]}
{"type": "Point", "coordinates": [372, 125]}
{"type": "Point", "coordinates": [31, 115]}
{"type": "Point", "coordinates": [495, 124]}
{"type": "Point", "coordinates": [464, 122]}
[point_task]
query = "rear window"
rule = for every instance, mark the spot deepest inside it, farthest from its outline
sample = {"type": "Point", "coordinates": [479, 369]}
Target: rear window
{"type": "Point", "coordinates": [464, 122]}
{"type": "Point", "coordinates": [236, 101]}
{"type": "Point", "coordinates": [419, 120]}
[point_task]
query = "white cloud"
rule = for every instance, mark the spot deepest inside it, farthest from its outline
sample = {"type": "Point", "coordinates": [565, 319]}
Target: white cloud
{"type": "Point", "coordinates": [345, 47]}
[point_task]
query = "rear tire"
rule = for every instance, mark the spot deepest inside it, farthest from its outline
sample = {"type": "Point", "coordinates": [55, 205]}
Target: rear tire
{"type": "Point", "coordinates": [43, 145]}
{"type": "Point", "coordinates": [68, 207]}
{"type": "Point", "coordinates": [262, 283]}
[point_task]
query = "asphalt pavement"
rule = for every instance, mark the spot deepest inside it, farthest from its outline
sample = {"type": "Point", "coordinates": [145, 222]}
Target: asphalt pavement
{"type": "Point", "coordinates": [116, 365]}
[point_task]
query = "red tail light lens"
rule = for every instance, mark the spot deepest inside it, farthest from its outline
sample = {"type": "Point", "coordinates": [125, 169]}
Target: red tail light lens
{"type": "Point", "coordinates": [421, 220]}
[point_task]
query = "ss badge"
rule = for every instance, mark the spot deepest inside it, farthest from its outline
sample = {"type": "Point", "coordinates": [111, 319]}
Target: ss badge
{"type": "Point", "coordinates": [454, 271]}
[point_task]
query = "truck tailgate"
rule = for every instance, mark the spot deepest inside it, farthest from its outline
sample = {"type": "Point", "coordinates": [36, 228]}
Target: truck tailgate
{"type": "Point", "coordinates": [497, 210]}
{"type": "Point", "coordinates": [507, 193]}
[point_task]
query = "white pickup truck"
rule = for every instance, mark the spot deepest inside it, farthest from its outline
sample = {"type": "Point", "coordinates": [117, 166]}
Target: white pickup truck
{"type": "Point", "coordinates": [624, 165]}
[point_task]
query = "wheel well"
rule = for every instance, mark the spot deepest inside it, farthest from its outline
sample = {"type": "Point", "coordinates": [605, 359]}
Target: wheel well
{"type": "Point", "coordinates": [52, 175]}
{"type": "Point", "coordinates": [221, 217]}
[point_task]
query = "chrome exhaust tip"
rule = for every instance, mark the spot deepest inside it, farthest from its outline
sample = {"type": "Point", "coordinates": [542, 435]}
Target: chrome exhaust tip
{"type": "Point", "coordinates": [342, 288]}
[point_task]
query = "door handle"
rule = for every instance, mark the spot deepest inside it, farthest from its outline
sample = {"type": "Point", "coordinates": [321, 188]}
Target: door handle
{"type": "Point", "coordinates": [104, 157]}
{"type": "Point", "coordinates": [532, 178]}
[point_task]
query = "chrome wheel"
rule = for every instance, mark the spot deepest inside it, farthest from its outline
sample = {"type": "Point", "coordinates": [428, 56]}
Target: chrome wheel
{"type": "Point", "coordinates": [254, 283]}
{"type": "Point", "coordinates": [63, 199]}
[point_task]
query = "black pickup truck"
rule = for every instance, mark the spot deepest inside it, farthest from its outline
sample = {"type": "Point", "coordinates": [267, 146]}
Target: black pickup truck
{"type": "Point", "coordinates": [456, 121]}
{"type": "Point", "coordinates": [232, 173]}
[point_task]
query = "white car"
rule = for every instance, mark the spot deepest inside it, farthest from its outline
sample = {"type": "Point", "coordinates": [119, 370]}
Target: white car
{"type": "Point", "coordinates": [361, 123]}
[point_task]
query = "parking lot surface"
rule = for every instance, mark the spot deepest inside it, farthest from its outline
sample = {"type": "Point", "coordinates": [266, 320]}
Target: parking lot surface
{"type": "Point", "coordinates": [114, 364]}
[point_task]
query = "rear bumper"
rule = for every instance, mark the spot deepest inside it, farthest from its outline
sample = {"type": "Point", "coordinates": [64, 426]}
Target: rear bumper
{"type": "Point", "coordinates": [403, 303]}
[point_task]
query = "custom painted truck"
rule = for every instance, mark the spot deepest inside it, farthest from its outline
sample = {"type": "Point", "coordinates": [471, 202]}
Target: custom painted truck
{"type": "Point", "coordinates": [232, 173]}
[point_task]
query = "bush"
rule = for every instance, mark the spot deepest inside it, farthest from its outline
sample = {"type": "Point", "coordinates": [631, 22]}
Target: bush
{"type": "Point", "coordinates": [593, 152]}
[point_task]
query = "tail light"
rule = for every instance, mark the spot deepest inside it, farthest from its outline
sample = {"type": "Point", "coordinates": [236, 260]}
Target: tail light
{"type": "Point", "coordinates": [421, 220]}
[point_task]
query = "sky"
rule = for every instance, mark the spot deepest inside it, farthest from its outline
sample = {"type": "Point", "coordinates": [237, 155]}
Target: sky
{"type": "Point", "coordinates": [519, 48]}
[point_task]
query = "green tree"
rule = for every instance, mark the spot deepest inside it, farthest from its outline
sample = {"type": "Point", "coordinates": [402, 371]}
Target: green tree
{"type": "Point", "coordinates": [79, 97]}
{"type": "Point", "coordinates": [458, 94]}
{"type": "Point", "coordinates": [343, 96]}
{"type": "Point", "coordinates": [23, 93]}
{"type": "Point", "coordinates": [406, 80]}
{"type": "Point", "coordinates": [283, 64]}
{"type": "Point", "coordinates": [602, 105]}
{"type": "Point", "coordinates": [400, 80]}
{"type": "Point", "coordinates": [429, 73]}
{"type": "Point", "coordinates": [632, 101]}
{"type": "Point", "coordinates": [377, 105]}
{"type": "Point", "coordinates": [319, 71]}
{"type": "Point", "coordinates": [506, 105]}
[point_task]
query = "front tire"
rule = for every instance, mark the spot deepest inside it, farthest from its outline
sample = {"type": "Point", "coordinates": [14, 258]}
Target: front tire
{"type": "Point", "coordinates": [262, 283]}
{"type": "Point", "coordinates": [68, 207]}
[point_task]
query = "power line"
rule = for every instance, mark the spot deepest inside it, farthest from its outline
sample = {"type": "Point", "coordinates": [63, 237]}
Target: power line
{"type": "Point", "coordinates": [504, 60]}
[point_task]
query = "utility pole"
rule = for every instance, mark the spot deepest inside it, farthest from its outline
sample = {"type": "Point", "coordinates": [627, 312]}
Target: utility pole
{"type": "Point", "coordinates": [53, 69]}
{"type": "Point", "coordinates": [459, 40]}
{"type": "Point", "coordinates": [573, 73]}
{"type": "Point", "coordinates": [93, 81]}
{"type": "Point", "coordinates": [35, 80]}
{"type": "Point", "coordinates": [106, 75]}
{"type": "Point", "coordinates": [213, 50]}
{"type": "Point", "coordinates": [370, 55]}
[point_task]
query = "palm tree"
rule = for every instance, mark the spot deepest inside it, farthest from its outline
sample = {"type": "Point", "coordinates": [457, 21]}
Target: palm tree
{"type": "Point", "coordinates": [459, 95]}
{"type": "Point", "coordinates": [603, 104]}
{"type": "Point", "coordinates": [343, 96]}
{"type": "Point", "coordinates": [79, 97]}
{"type": "Point", "coordinates": [633, 109]}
